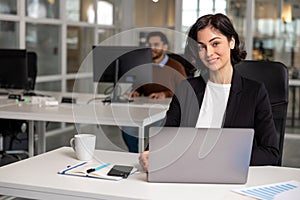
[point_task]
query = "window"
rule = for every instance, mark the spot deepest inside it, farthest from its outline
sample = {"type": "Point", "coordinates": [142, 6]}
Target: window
{"type": "Point", "coordinates": [62, 39]}
{"type": "Point", "coordinates": [9, 34]}
{"type": "Point", "coordinates": [80, 41]}
{"type": "Point", "coordinates": [8, 7]}
{"type": "Point", "coordinates": [42, 8]}
{"type": "Point", "coordinates": [45, 40]}
{"type": "Point", "coordinates": [73, 10]}
{"type": "Point", "coordinates": [80, 11]}
{"type": "Point", "coordinates": [104, 13]}
{"type": "Point", "coordinates": [193, 9]}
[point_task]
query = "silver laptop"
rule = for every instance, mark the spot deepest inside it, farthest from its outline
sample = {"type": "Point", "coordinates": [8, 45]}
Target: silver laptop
{"type": "Point", "coordinates": [192, 155]}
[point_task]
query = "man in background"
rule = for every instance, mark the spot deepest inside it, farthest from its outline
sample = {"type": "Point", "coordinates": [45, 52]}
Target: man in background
{"type": "Point", "coordinates": [167, 74]}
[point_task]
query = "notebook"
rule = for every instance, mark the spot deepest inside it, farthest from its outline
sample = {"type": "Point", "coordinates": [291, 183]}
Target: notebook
{"type": "Point", "coordinates": [193, 155]}
{"type": "Point", "coordinates": [94, 169]}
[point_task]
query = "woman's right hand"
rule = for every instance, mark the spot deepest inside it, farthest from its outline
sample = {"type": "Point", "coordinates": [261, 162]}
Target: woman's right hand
{"type": "Point", "coordinates": [143, 159]}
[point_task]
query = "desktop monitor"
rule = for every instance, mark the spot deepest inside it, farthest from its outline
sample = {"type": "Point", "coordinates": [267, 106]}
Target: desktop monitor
{"type": "Point", "coordinates": [13, 68]}
{"type": "Point", "coordinates": [122, 64]}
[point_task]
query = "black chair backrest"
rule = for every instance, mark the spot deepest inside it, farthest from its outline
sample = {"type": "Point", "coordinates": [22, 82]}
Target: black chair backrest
{"type": "Point", "coordinates": [31, 69]}
{"type": "Point", "coordinates": [189, 68]}
{"type": "Point", "coordinates": [275, 77]}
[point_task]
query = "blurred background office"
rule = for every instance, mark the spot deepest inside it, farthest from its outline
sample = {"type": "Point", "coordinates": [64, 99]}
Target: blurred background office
{"type": "Point", "coordinates": [62, 33]}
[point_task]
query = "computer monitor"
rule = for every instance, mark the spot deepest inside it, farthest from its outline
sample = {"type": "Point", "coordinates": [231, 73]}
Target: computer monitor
{"type": "Point", "coordinates": [13, 68]}
{"type": "Point", "coordinates": [122, 64]}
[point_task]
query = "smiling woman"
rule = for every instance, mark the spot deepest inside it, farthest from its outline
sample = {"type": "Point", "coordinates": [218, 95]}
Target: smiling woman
{"type": "Point", "coordinates": [222, 98]}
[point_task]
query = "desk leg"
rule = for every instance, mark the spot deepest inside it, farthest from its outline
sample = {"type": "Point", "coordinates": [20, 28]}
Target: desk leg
{"type": "Point", "coordinates": [31, 138]}
{"type": "Point", "coordinates": [141, 139]}
{"type": "Point", "coordinates": [41, 130]}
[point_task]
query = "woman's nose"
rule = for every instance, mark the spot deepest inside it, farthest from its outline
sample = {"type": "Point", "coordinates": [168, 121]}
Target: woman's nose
{"type": "Point", "coordinates": [209, 51]}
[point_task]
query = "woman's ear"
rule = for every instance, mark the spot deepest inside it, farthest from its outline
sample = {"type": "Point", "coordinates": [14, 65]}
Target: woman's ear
{"type": "Point", "coordinates": [232, 43]}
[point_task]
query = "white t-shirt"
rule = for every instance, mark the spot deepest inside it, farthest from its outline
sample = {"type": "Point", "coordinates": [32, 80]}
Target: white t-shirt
{"type": "Point", "coordinates": [213, 106]}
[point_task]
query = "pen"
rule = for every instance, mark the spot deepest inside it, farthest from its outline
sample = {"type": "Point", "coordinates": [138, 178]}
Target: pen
{"type": "Point", "coordinates": [73, 167]}
{"type": "Point", "coordinates": [97, 168]}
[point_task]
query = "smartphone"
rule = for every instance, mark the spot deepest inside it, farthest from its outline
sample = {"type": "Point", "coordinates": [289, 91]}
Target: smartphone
{"type": "Point", "coordinates": [120, 170]}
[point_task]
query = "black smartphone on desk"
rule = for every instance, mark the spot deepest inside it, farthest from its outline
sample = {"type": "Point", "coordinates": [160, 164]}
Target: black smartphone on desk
{"type": "Point", "coordinates": [120, 170]}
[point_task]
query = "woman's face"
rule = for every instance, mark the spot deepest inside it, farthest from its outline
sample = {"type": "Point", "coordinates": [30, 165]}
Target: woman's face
{"type": "Point", "coordinates": [214, 48]}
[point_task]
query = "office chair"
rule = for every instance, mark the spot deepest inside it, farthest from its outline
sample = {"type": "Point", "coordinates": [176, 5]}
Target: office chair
{"type": "Point", "coordinates": [16, 131]}
{"type": "Point", "coordinates": [189, 68]}
{"type": "Point", "coordinates": [275, 77]}
{"type": "Point", "coordinates": [31, 69]}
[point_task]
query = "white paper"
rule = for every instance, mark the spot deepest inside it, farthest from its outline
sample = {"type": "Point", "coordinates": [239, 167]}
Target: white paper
{"type": "Point", "coordinates": [289, 195]}
{"type": "Point", "coordinates": [279, 191]}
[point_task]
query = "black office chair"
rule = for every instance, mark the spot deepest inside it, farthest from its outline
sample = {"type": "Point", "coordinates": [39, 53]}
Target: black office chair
{"type": "Point", "coordinates": [15, 132]}
{"type": "Point", "coordinates": [275, 77]}
{"type": "Point", "coordinates": [188, 67]}
{"type": "Point", "coordinates": [32, 64]}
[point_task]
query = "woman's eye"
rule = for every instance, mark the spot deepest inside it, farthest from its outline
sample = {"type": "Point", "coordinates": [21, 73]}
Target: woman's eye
{"type": "Point", "coordinates": [215, 44]}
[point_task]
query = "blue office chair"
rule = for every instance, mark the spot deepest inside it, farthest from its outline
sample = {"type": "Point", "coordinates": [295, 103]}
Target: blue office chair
{"type": "Point", "coordinates": [275, 77]}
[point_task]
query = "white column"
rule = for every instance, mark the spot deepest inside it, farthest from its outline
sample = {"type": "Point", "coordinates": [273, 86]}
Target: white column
{"type": "Point", "coordinates": [249, 25]}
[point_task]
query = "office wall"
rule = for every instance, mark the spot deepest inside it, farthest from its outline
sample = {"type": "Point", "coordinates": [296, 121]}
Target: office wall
{"type": "Point", "coordinates": [160, 14]}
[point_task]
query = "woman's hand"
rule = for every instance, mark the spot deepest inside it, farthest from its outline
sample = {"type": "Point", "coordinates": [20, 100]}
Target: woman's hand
{"type": "Point", "coordinates": [144, 160]}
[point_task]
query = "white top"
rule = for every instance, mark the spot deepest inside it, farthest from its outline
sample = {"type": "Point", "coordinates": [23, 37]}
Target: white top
{"type": "Point", "coordinates": [213, 106]}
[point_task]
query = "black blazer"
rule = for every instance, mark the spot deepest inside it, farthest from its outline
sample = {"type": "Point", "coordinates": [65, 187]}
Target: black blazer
{"type": "Point", "coordinates": [248, 107]}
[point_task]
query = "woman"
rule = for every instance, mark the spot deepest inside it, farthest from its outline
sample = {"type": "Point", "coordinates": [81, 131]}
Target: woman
{"type": "Point", "coordinates": [226, 99]}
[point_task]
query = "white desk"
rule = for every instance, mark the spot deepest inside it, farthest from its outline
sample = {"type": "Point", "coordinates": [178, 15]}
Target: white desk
{"type": "Point", "coordinates": [37, 178]}
{"type": "Point", "coordinates": [140, 113]}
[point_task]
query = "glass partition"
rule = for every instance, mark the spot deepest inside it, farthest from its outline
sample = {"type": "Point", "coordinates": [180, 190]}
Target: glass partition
{"type": "Point", "coordinates": [45, 39]}
{"type": "Point", "coordinates": [8, 7]}
{"type": "Point", "coordinates": [49, 86]}
{"type": "Point", "coordinates": [80, 10]}
{"type": "Point", "coordinates": [80, 41]}
{"type": "Point", "coordinates": [9, 34]}
{"type": "Point", "coordinates": [42, 8]}
{"type": "Point", "coordinates": [83, 85]}
{"type": "Point", "coordinates": [275, 27]}
{"type": "Point", "coordinates": [103, 34]}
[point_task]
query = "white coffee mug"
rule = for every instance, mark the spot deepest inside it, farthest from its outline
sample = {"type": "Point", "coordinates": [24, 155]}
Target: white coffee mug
{"type": "Point", "coordinates": [84, 146]}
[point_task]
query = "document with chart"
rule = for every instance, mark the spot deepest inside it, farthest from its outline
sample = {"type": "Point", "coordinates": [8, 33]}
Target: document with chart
{"type": "Point", "coordinates": [280, 191]}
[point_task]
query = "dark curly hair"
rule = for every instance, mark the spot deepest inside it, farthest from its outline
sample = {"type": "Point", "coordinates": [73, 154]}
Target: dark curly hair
{"type": "Point", "coordinates": [221, 23]}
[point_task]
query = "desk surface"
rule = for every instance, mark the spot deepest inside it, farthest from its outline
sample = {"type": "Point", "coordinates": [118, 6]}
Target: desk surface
{"type": "Point", "coordinates": [88, 110]}
{"type": "Point", "coordinates": [141, 112]}
{"type": "Point", "coordinates": [294, 82]}
{"type": "Point", "coordinates": [37, 178]}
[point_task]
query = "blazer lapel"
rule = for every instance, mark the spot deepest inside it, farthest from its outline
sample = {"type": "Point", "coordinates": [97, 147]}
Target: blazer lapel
{"type": "Point", "coordinates": [195, 105]}
{"type": "Point", "coordinates": [234, 99]}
